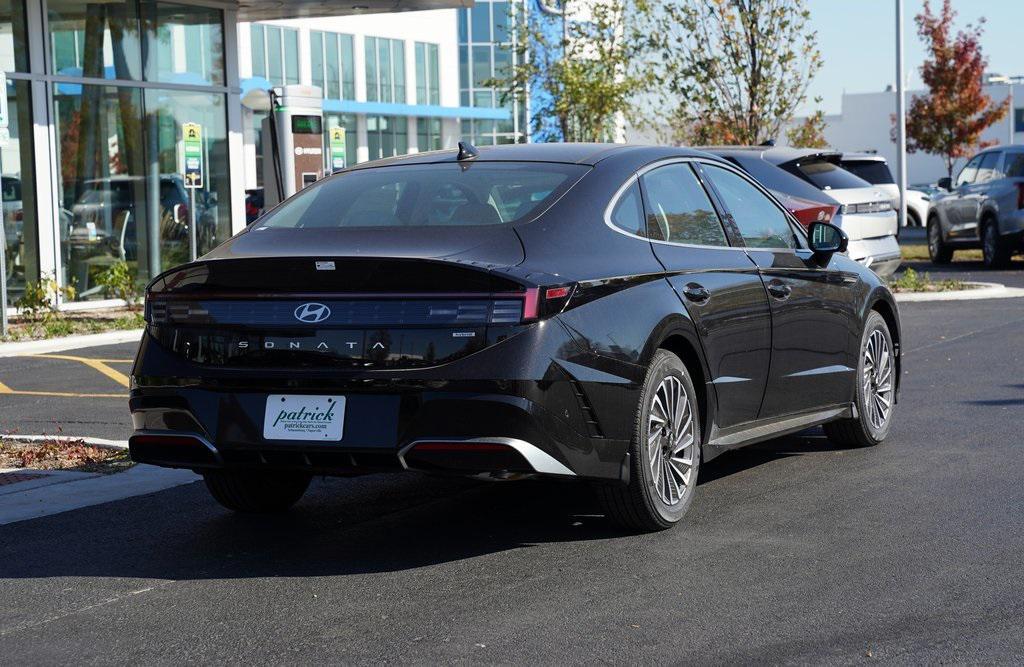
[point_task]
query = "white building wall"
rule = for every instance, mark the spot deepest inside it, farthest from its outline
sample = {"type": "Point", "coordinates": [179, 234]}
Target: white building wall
{"type": "Point", "coordinates": [865, 124]}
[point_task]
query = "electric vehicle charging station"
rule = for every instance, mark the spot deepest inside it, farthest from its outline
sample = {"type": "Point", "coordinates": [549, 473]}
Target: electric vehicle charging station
{"type": "Point", "coordinates": [293, 148]}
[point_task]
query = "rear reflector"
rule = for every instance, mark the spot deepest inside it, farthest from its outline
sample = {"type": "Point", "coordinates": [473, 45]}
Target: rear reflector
{"type": "Point", "coordinates": [556, 293]}
{"type": "Point", "coordinates": [466, 457]}
{"type": "Point", "coordinates": [170, 450]}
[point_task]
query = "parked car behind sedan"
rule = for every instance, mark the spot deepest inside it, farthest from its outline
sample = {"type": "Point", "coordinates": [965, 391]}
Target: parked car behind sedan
{"type": "Point", "coordinates": [863, 211]}
{"type": "Point", "coordinates": [983, 208]}
{"type": "Point", "coordinates": [874, 169]}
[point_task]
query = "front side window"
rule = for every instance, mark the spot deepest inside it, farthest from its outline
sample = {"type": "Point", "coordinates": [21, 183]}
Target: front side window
{"type": "Point", "coordinates": [969, 173]}
{"type": "Point", "coordinates": [761, 223]}
{"type": "Point", "coordinates": [988, 170]}
{"type": "Point", "coordinates": [678, 208]}
{"type": "Point", "coordinates": [437, 195]}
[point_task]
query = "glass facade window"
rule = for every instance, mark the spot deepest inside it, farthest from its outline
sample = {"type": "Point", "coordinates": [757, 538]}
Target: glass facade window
{"type": "Point", "coordinates": [387, 136]}
{"type": "Point", "coordinates": [275, 53]}
{"type": "Point", "coordinates": [347, 121]}
{"type": "Point", "coordinates": [332, 64]}
{"type": "Point", "coordinates": [189, 44]}
{"type": "Point", "coordinates": [385, 70]}
{"type": "Point", "coordinates": [487, 52]}
{"type": "Point", "coordinates": [20, 222]}
{"type": "Point", "coordinates": [428, 86]}
{"type": "Point", "coordinates": [428, 134]}
{"type": "Point", "coordinates": [95, 40]}
{"type": "Point", "coordinates": [13, 38]}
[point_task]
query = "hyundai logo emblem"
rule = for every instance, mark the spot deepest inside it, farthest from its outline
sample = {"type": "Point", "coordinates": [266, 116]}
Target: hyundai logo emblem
{"type": "Point", "coordinates": [311, 313]}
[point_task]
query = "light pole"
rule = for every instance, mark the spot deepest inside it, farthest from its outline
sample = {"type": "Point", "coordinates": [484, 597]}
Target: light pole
{"type": "Point", "coordinates": [901, 117]}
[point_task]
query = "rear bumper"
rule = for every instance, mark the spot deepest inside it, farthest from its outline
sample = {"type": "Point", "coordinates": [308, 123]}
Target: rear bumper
{"type": "Point", "coordinates": [534, 409]}
{"type": "Point", "coordinates": [882, 254]}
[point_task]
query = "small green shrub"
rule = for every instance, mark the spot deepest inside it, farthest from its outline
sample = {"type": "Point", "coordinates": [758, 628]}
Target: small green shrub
{"type": "Point", "coordinates": [119, 282]}
{"type": "Point", "coordinates": [40, 298]}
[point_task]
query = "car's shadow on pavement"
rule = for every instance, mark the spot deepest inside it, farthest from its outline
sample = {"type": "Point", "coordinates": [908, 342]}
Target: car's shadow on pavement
{"type": "Point", "coordinates": [373, 524]}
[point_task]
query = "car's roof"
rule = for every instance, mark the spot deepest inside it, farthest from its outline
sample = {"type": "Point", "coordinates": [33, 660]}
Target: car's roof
{"type": "Point", "coordinates": [773, 154]}
{"type": "Point", "coordinates": [572, 153]}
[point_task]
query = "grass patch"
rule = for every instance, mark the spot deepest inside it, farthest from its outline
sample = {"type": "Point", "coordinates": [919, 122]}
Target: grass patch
{"type": "Point", "coordinates": [56, 324]}
{"type": "Point", "coordinates": [918, 252]}
{"type": "Point", "coordinates": [912, 281]}
{"type": "Point", "coordinates": [63, 455]}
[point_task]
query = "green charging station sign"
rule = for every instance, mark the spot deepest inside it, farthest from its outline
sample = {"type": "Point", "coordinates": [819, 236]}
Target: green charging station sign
{"type": "Point", "coordinates": [337, 148]}
{"type": "Point", "coordinates": [192, 134]}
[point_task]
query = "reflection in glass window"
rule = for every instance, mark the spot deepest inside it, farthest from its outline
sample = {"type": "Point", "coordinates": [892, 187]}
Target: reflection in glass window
{"type": "Point", "coordinates": [189, 44]}
{"type": "Point", "coordinates": [427, 78]}
{"type": "Point", "coordinates": [761, 223]}
{"type": "Point", "coordinates": [20, 227]}
{"type": "Point", "coordinates": [678, 208]}
{"type": "Point", "coordinates": [13, 40]}
{"type": "Point", "coordinates": [628, 214]}
{"type": "Point", "coordinates": [428, 134]}
{"type": "Point", "coordinates": [385, 70]}
{"type": "Point", "coordinates": [98, 40]}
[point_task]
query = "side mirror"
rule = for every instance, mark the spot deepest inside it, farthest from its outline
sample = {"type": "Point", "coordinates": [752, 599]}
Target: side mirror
{"type": "Point", "coordinates": [945, 183]}
{"type": "Point", "coordinates": [826, 239]}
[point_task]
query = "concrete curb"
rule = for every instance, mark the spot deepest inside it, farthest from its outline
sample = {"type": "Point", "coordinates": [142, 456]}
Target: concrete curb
{"type": "Point", "coordinates": [94, 442]}
{"type": "Point", "coordinates": [69, 343]}
{"type": "Point", "coordinates": [982, 291]}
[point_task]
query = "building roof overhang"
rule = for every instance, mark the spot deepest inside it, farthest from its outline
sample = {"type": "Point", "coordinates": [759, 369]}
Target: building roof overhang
{"type": "Point", "coordinates": [263, 10]}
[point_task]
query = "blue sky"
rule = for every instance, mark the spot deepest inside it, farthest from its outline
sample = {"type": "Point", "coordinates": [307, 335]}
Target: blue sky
{"type": "Point", "coordinates": [857, 39]}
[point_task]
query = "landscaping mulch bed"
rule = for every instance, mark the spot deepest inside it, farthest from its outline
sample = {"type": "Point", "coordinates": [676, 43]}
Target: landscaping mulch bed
{"type": "Point", "coordinates": [68, 323]}
{"type": "Point", "coordinates": [62, 455]}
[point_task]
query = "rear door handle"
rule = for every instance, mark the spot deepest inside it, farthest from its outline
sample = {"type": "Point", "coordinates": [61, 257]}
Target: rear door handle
{"type": "Point", "coordinates": [696, 293]}
{"type": "Point", "coordinates": [779, 289]}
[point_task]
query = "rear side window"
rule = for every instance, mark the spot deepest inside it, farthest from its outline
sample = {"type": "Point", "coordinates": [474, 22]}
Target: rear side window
{"type": "Point", "coordinates": [875, 172]}
{"type": "Point", "coordinates": [762, 224]}
{"type": "Point", "coordinates": [678, 208]}
{"type": "Point", "coordinates": [1014, 165]}
{"type": "Point", "coordinates": [628, 214]}
{"type": "Point", "coordinates": [428, 195]}
{"type": "Point", "coordinates": [824, 175]}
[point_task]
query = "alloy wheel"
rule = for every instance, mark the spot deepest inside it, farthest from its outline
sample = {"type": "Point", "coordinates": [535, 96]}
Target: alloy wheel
{"type": "Point", "coordinates": [933, 239]}
{"type": "Point", "coordinates": [878, 379]}
{"type": "Point", "coordinates": [671, 445]}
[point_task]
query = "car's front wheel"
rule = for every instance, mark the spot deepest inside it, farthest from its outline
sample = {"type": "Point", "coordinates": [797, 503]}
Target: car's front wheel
{"type": "Point", "coordinates": [876, 389]}
{"type": "Point", "coordinates": [664, 454]}
{"type": "Point", "coordinates": [256, 492]}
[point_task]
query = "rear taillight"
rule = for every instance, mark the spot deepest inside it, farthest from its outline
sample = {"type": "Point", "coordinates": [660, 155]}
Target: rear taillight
{"type": "Point", "coordinates": [806, 211]}
{"type": "Point", "coordinates": [540, 302]}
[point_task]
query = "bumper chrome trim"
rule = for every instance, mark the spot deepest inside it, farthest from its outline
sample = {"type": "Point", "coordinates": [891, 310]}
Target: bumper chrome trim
{"type": "Point", "coordinates": [539, 460]}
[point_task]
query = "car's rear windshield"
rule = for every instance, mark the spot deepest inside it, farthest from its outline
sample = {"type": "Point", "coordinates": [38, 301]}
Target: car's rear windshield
{"type": "Point", "coordinates": [875, 172]}
{"type": "Point", "coordinates": [823, 174]}
{"type": "Point", "coordinates": [428, 195]}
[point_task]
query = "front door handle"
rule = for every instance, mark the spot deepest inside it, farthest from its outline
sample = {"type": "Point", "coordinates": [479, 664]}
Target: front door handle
{"type": "Point", "coordinates": [779, 289]}
{"type": "Point", "coordinates": [696, 293]}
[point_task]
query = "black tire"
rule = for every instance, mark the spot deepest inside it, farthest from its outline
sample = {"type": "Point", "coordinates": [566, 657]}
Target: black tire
{"type": "Point", "coordinates": [913, 220]}
{"type": "Point", "coordinates": [256, 492]}
{"type": "Point", "coordinates": [938, 251]}
{"type": "Point", "coordinates": [861, 431]}
{"type": "Point", "coordinates": [995, 251]}
{"type": "Point", "coordinates": [639, 505]}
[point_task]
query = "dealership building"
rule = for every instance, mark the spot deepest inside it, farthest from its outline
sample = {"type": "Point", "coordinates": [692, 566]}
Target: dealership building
{"type": "Point", "coordinates": [100, 95]}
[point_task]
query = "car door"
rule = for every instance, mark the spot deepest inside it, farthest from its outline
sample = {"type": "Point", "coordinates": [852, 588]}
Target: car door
{"type": "Point", "coordinates": [971, 195]}
{"type": "Point", "coordinates": [951, 204]}
{"type": "Point", "coordinates": [815, 334]}
{"type": "Point", "coordinates": [717, 283]}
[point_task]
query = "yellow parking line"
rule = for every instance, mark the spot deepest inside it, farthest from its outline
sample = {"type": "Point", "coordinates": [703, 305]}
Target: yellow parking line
{"type": "Point", "coordinates": [96, 364]}
{"type": "Point", "coordinates": [4, 389]}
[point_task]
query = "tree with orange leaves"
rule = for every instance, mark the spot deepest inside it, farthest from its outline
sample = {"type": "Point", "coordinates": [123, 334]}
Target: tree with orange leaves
{"type": "Point", "coordinates": [950, 118]}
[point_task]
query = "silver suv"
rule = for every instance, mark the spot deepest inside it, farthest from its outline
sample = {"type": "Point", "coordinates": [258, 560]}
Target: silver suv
{"type": "Point", "coordinates": [983, 208]}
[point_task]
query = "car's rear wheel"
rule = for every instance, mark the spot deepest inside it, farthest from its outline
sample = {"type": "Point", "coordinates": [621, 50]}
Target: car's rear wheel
{"type": "Point", "coordinates": [995, 251]}
{"type": "Point", "coordinates": [938, 251]}
{"type": "Point", "coordinates": [256, 492]}
{"type": "Point", "coordinates": [665, 452]}
{"type": "Point", "coordinates": [876, 389]}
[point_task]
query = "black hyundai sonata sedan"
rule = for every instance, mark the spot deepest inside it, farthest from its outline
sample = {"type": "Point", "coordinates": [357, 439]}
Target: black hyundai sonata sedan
{"type": "Point", "coordinates": [616, 314]}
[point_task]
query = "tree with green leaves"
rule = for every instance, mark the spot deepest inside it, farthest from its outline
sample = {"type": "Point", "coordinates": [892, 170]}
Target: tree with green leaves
{"type": "Point", "coordinates": [582, 69]}
{"type": "Point", "coordinates": [808, 133]}
{"type": "Point", "coordinates": [738, 69]}
{"type": "Point", "coordinates": [949, 119]}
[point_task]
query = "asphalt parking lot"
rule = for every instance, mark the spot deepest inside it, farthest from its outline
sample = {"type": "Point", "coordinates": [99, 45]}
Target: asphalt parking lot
{"type": "Point", "coordinates": [794, 551]}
